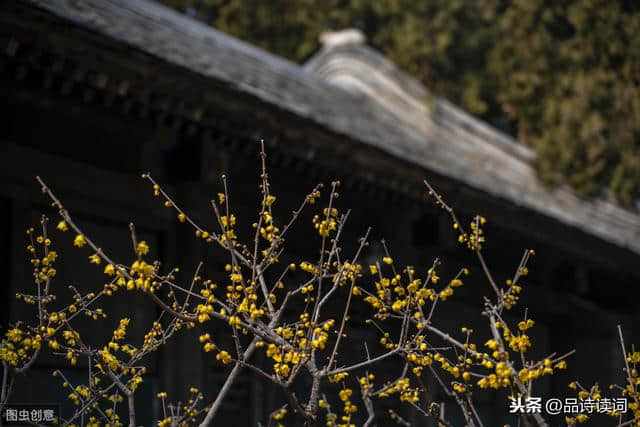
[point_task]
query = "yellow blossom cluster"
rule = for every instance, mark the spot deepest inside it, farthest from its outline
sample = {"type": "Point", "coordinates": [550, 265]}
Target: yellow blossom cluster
{"type": "Point", "coordinates": [326, 223]}
{"type": "Point", "coordinates": [154, 337]}
{"type": "Point", "coordinates": [366, 382]}
{"type": "Point", "coordinates": [279, 414]}
{"type": "Point", "coordinates": [121, 331]}
{"type": "Point", "coordinates": [396, 295]}
{"type": "Point", "coordinates": [348, 408]}
{"type": "Point", "coordinates": [347, 273]}
{"type": "Point", "coordinates": [283, 359]}
{"type": "Point", "coordinates": [204, 310]}
{"type": "Point", "coordinates": [142, 274]}
{"type": "Point", "coordinates": [630, 389]}
{"type": "Point", "coordinates": [223, 357]}
{"type": "Point", "coordinates": [594, 394]}
{"type": "Point", "coordinates": [208, 345]}
{"type": "Point", "coordinates": [336, 378]}
{"type": "Point", "coordinates": [311, 198]}
{"type": "Point", "coordinates": [402, 387]}
{"type": "Point", "coordinates": [308, 267]}
{"type": "Point", "coordinates": [19, 345]}
{"type": "Point", "coordinates": [511, 297]}
{"type": "Point", "coordinates": [268, 230]}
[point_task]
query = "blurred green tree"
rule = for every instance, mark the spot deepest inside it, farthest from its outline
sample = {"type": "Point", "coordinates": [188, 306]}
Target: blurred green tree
{"type": "Point", "coordinates": [563, 77]}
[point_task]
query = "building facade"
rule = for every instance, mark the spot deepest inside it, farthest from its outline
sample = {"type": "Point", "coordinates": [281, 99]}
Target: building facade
{"type": "Point", "coordinates": [94, 93]}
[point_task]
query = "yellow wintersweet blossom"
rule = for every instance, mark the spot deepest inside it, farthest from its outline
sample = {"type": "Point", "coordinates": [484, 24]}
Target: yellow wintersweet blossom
{"type": "Point", "coordinates": [109, 270]}
{"type": "Point", "coordinates": [280, 414]}
{"type": "Point", "coordinates": [223, 357]}
{"type": "Point", "coordinates": [121, 331]}
{"type": "Point", "coordinates": [79, 241]}
{"type": "Point", "coordinates": [142, 248]}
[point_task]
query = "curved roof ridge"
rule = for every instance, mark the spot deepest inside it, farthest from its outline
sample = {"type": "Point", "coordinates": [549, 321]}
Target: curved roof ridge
{"type": "Point", "coordinates": [448, 142]}
{"type": "Point", "coordinates": [357, 67]}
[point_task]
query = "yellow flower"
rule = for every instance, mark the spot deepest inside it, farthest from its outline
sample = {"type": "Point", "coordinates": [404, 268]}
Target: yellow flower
{"type": "Point", "coordinates": [94, 259]}
{"type": "Point", "coordinates": [338, 377]}
{"type": "Point", "coordinates": [135, 381]}
{"type": "Point", "coordinates": [121, 332]}
{"type": "Point", "coordinates": [182, 217]}
{"type": "Point", "coordinates": [345, 394]}
{"type": "Point", "coordinates": [284, 370]}
{"type": "Point", "coordinates": [142, 248]}
{"type": "Point", "coordinates": [280, 414]}
{"type": "Point", "coordinates": [14, 335]}
{"type": "Point", "coordinates": [492, 344]}
{"type": "Point", "coordinates": [109, 270]}
{"type": "Point", "coordinates": [62, 226]}
{"type": "Point", "coordinates": [387, 260]}
{"type": "Point", "coordinates": [456, 282]}
{"type": "Point", "coordinates": [79, 241]}
{"type": "Point", "coordinates": [71, 358]}
{"type": "Point", "coordinates": [524, 325]}
{"type": "Point", "coordinates": [224, 357]}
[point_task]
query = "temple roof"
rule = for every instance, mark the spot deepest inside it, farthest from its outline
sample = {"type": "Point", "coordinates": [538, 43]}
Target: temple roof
{"type": "Point", "coordinates": [353, 91]}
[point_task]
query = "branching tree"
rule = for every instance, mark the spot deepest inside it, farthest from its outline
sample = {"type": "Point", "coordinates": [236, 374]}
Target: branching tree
{"type": "Point", "coordinates": [288, 312]}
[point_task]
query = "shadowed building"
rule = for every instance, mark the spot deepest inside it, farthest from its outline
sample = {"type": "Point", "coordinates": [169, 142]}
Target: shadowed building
{"type": "Point", "coordinates": [95, 92]}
